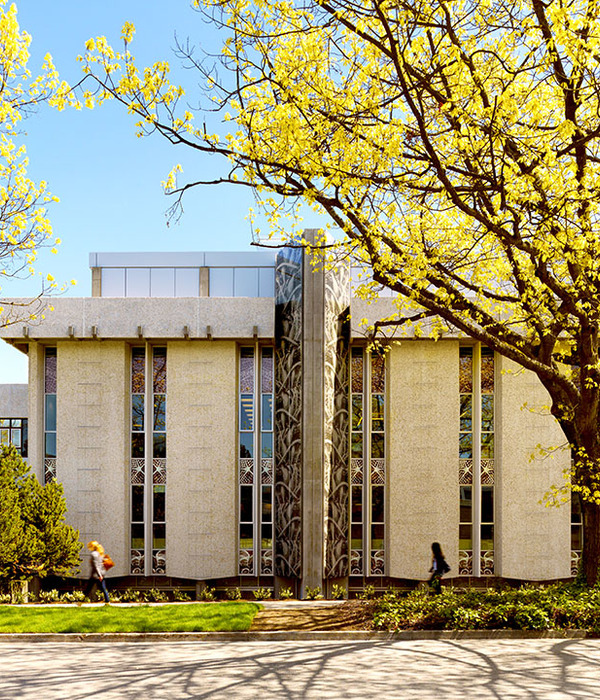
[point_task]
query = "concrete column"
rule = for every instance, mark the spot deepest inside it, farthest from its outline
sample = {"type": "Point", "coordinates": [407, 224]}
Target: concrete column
{"type": "Point", "coordinates": [204, 282]}
{"type": "Point", "coordinates": [96, 281]}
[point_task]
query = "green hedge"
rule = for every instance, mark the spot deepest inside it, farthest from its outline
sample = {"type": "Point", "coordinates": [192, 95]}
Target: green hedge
{"type": "Point", "coordinates": [558, 606]}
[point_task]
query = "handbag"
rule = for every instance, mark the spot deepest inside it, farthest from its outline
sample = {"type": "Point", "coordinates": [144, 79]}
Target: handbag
{"type": "Point", "coordinates": [107, 562]}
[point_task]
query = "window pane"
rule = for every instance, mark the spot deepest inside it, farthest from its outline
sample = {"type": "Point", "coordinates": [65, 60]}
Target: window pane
{"type": "Point", "coordinates": [50, 371]}
{"type": "Point", "coordinates": [187, 282]}
{"type": "Point", "coordinates": [4, 423]}
{"type": "Point", "coordinates": [24, 447]}
{"type": "Point", "coordinates": [377, 374]}
{"type": "Point", "coordinates": [267, 371]}
{"type": "Point", "coordinates": [160, 412]}
{"type": "Point", "coordinates": [576, 542]}
{"type": "Point", "coordinates": [466, 504]}
{"type": "Point", "coordinates": [138, 379]}
{"type": "Point", "coordinates": [247, 412]}
{"type": "Point", "coordinates": [357, 370]}
{"type": "Point", "coordinates": [487, 537]}
{"type": "Point", "coordinates": [50, 444]}
{"type": "Point", "coordinates": [575, 508]}
{"type": "Point", "coordinates": [377, 535]}
{"type": "Point", "coordinates": [159, 370]}
{"type": "Point", "coordinates": [357, 411]}
{"type": "Point", "coordinates": [247, 371]}
{"type": "Point", "coordinates": [137, 445]}
{"type": "Point", "coordinates": [158, 536]}
{"type": "Point", "coordinates": [357, 445]}
{"type": "Point", "coordinates": [356, 536]}
{"type": "Point", "coordinates": [4, 436]}
{"type": "Point", "coordinates": [246, 445]}
{"type": "Point", "coordinates": [159, 448]}
{"type": "Point", "coordinates": [158, 504]}
{"type": "Point", "coordinates": [137, 536]}
{"type": "Point", "coordinates": [487, 371]}
{"type": "Point", "coordinates": [487, 413]}
{"type": "Point", "coordinates": [246, 504]}
{"type": "Point", "coordinates": [50, 411]}
{"type": "Point", "coordinates": [357, 496]}
{"type": "Point", "coordinates": [267, 412]}
{"type": "Point", "coordinates": [162, 282]}
{"type": "Point", "coordinates": [267, 445]}
{"type": "Point", "coordinates": [137, 503]}
{"type": "Point", "coordinates": [465, 372]}
{"type": "Point", "coordinates": [487, 504]}
{"type": "Point", "coordinates": [465, 446]}
{"type": "Point", "coordinates": [245, 281]}
{"type": "Point", "coordinates": [377, 411]}
{"type": "Point", "coordinates": [246, 535]}
{"type": "Point", "coordinates": [377, 445]}
{"type": "Point", "coordinates": [137, 412]}
{"type": "Point", "coordinates": [465, 537]}
{"type": "Point", "coordinates": [487, 445]}
{"type": "Point", "coordinates": [266, 535]}
{"type": "Point", "coordinates": [466, 412]}
{"type": "Point", "coordinates": [137, 280]}
{"type": "Point", "coordinates": [16, 438]}
{"type": "Point", "coordinates": [377, 507]}
{"type": "Point", "coordinates": [267, 504]}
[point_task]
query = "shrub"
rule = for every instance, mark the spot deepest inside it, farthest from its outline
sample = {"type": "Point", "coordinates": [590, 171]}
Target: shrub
{"type": "Point", "coordinates": [262, 593]}
{"type": "Point", "coordinates": [233, 594]}
{"type": "Point", "coordinates": [180, 596]}
{"type": "Point", "coordinates": [155, 595]}
{"type": "Point", "coordinates": [73, 597]}
{"type": "Point", "coordinates": [51, 596]}
{"type": "Point", "coordinates": [313, 593]}
{"type": "Point", "coordinates": [339, 592]}
{"type": "Point", "coordinates": [207, 594]}
{"type": "Point", "coordinates": [367, 593]}
{"type": "Point", "coordinates": [4, 598]}
{"type": "Point", "coordinates": [285, 593]}
{"type": "Point", "coordinates": [132, 596]}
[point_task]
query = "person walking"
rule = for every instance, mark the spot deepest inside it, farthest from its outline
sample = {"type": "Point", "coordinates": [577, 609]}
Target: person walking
{"type": "Point", "coordinates": [97, 570]}
{"type": "Point", "coordinates": [439, 567]}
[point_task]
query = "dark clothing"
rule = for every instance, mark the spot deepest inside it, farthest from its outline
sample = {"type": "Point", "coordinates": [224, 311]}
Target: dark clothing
{"type": "Point", "coordinates": [439, 567]}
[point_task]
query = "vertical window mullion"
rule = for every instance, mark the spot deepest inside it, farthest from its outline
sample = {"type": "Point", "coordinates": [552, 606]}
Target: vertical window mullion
{"type": "Point", "coordinates": [477, 460]}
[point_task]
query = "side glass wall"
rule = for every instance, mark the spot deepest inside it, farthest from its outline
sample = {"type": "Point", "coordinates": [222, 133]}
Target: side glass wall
{"type": "Point", "coordinates": [476, 461]}
{"type": "Point", "coordinates": [148, 472]}
{"type": "Point", "coordinates": [255, 461]}
{"type": "Point", "coordinates": [367, 464]}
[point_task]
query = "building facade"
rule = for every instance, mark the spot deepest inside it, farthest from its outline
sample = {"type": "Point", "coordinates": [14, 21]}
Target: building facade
{"type": "Point", "coordinates": [221, 417]}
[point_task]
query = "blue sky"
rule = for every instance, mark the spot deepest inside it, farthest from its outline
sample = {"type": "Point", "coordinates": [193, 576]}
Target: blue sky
{"type": "Point", "coordinates": [107, 179]}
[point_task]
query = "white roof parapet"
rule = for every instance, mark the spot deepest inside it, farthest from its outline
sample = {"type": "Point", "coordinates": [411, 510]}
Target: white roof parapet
{"type": "Point", "coordinates": [258, 258]}
{"type": "Point", "coordinates": [232, 317]}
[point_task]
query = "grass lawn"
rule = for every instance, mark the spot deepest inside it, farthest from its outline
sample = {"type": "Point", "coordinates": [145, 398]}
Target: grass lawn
{"type": "Point", "coordinates": [197, 617]}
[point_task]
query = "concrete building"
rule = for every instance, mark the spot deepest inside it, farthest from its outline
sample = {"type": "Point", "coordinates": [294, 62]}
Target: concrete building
{"type": "Point", "coordinates": [220, 417]}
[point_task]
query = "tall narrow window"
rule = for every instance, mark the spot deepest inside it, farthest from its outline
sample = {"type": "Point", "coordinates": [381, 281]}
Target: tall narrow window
{"type": "Point", "coordinates": [49, 414]}
{"type": "Point", "coordinates": [255, 457]}
{"type": "Point", "coordinates": [576, 533]}
{"type": "Point", "coordinates": [148, 460]}
{"type": "Point", "coordinates": [476, 461]}
{"type": "Point", "coordinates": [367, 464]}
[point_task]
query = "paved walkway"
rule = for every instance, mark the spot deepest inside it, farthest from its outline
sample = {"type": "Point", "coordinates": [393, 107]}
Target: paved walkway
{"type": "Point", "coordinates": [503, 669]}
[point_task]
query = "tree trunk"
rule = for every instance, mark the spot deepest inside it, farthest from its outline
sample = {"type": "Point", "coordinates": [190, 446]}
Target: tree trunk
{"type": "Point", "coordinates": [591, 541]}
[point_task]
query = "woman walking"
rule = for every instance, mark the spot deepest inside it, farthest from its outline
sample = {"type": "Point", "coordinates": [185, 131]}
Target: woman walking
{"type": "Point", "coordinates": [439, 567]}
{"type": "Point", "coordinates": [97, 571]}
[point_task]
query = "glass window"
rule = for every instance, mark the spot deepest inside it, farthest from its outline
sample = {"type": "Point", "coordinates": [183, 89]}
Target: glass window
{"type": "Point", "coordinates": [357, 370]}
{"type": "Point", "coordinates": [187, 282]}
{"type": "Point", "coordinates": [267, 412]}
{"type": "Point", "coordinates": [137, 280]}
{"type": "Point", "coordinates": [266, 281]}
{"type": "Point", "coordinates": [487, 445]}
{"type": "Point", "coordinates": [246, 535]}
{"type": "Point", "coordinates": [158, 536]}
{"type": "Point", "coordinates": [137, 445]}
{"type": "Point", "coordinates": [158, 503]}
{"type": "Point", "coordinates": [159, 445]}
{"type": "Point", "coordinates": [245, 282]}
{"type": "Point", "coordinates": [50, 415]}
{"type": "Point", "coordinates": [138, 379]}
{"type": "Point", "coordinates": [357, 504]}
{"type": "Point", "coordinates": [466, 446]}
{"type": "Point", "coordinates": [160, 412]}
{"type": "Point", "coordinates": [356, 535]}
{"type": "Point", "coordinates": [113, 282]}
{"type": "Point", "coordinates": [267, 445]}
{"type": "Point", "coordinates": [50, 444]}
{"type": "Point", "coordinates": [246, 445]}
{"type": "Point", "coordinates": [221, 281]}
{"type": "Point", "coordinates": [487, 413]}
{"type": "Point", "coordinates": [377, 411]}
{"type": "Point", "coordinates": [377, 506]}
{"type": "Point", "coordinates": [266, 534]}
{"type": "Point", "coordinates": [466, 371]}
{"type": "Point", "coordinates": [377, 445]}
{"type": "Point", "coordinates": [487, 504]}
{"type": "Point", "coordinates": [50, 371]}
{"type": "Point", "coordinates": [246, 412]}
{"type": "Point", "coordinates": [267, 504]}
{"type": "Point", "coordinates": [246, 509]}
{"type": "Point", "coordinates": [247, 371]}
{"type": "Point", "coordinates": [357, 445]}
{"type": "Point", "coordinates": [137, 412]}
{"type": "Point", "coordinates": [159, 370]}
{"type": "Point", "coordinates": [357, 412]}
{"type": "Point", "coordinates": [377, 374]}
{"type": "Point", "coordinates": [162, 282]}
{"type": "Point", "coordinates": [137, 503]}
{"type": "Point", "coordinates": [137, 536]}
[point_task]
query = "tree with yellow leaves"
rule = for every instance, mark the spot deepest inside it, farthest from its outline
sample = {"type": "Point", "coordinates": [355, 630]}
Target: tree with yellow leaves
{"type": "Point", "coordinates": [24, 226]}
{"type": "Point", "coordinates": [454, 145]}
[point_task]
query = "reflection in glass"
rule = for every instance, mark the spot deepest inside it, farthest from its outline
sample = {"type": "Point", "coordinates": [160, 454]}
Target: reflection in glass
{"type": "Point", "coordinates": [487, 504]}
{"type": "Point", "coordinates": [576, 539]}
{"type": "Point", "coordinates": [137, 445]}
{"type": "Point", "coordinates": [487, 412]}
{"type": "Point", "coordinates": [137, 503]}
{"type": "Point", "coordinates": [377, 534]}
{"type": "Point", "coordinates": [357, 445]}
{"type": "Point", "coordinates": [377, 412]}
{"type": "Point", "coordinates": [266, 536]}
{"type": "Point", "coordinates": [137, 536]}
{"type": "Point", "coordinates": [487, 537]}
{"type": "Point", "coordinates": [158, 503]}
{"type": "Point", "coordinates": [357, 370]}
{"type": "Point", "coordinates": [267, 504]}
{"type": "Point", "coordinates": [377, 374]}
{"type": "Point", "coordinates": [159, 448]}
{"type": "Point", "coordinates": [466, 412]}
{"type": "Point", "coordinates": [487, 371]}
{"type": "Point", "coordinates": [246, 412]}
{"type": "Point", "coordinates": [377, 506]}
{"type": "Point", "coordinates": [50, 413]}
{"type": "Point", "coordinates": [158, 536]}
{"type": "Point", "coordinates": [50, 371]}
{"type": "Point", "coordinates": [465, 537]}
{"type": "Point", "coordinates": [465, 446]}
{"type": "Point", "coordinates": [377, 445]}
{"type": "Point", "coordinates": [357, 411]}
{"type": "Point", "coordinates": [267, 445]}
{"type": "Point", "coordinates": [138, 379]}
{"type": "Point", "coordinates": [247, 371]}
{"type": "Point", "coordinates": [246, 445]}
{"type": "Point", "coordinates": [50, 444]}
{"type": "Point", "coordinates": [465, 373]}
{"type": "Point", "coordinates": [159, 368]}
{"type": "Point", "coordinates": [466, 504]}
{"type": "Point", "coordinates": [267, 412]}
{"type": "Point", "coordinates": [487, 445]}
{"type": "Point", "coordinates": [266, 378]}
{"type": "Point", "coordinates": [356, 535]}
{"type": "Point", "coordinates": [246, 535]}
{"type": "Point", "coordinates": [137, 412]}
{"type": "Point", "coordinates": [246, 504]}
{"type": "Point", "coordinates": [357, 504]}
{"type": "Point", "coordinates": [160, 412]}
